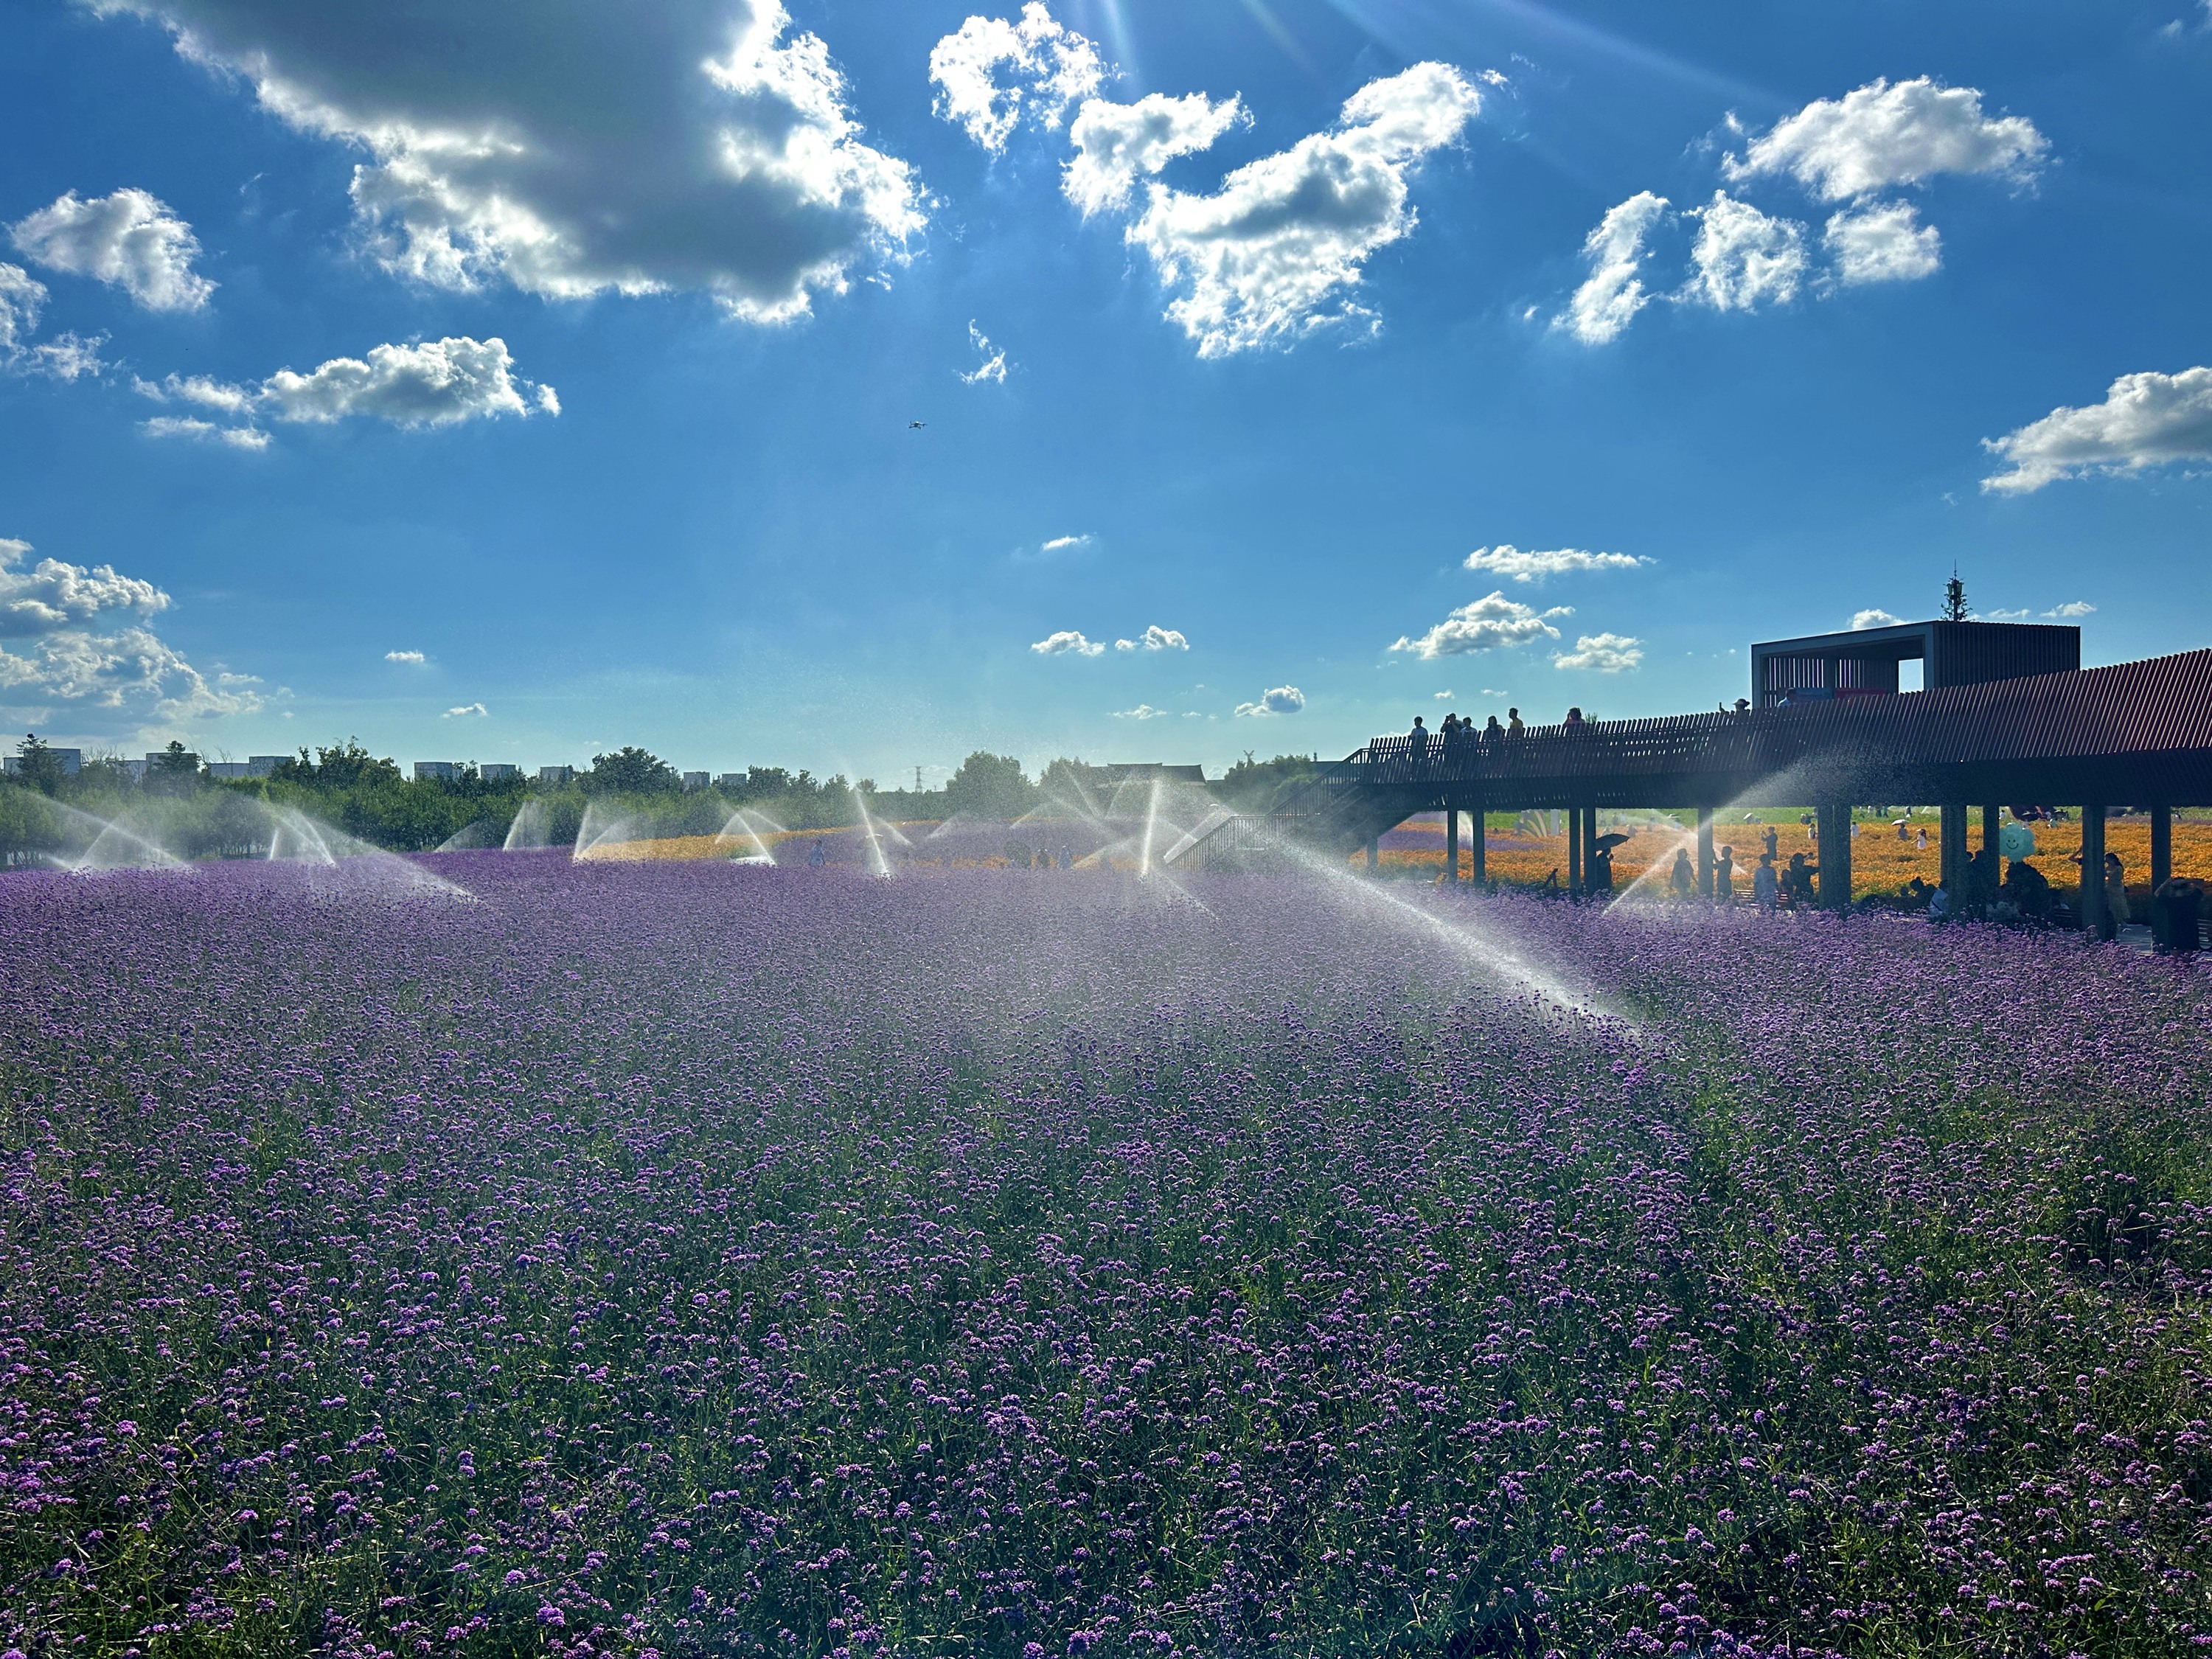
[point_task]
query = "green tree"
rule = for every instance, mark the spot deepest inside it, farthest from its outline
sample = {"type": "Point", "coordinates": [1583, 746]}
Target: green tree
{"type": "Point", "coordinates": [37, 766]}
{"type": "Point", "coordinates": [173, 770]}
{"type": "Point", "coordinates": [631, 771]}
{"type": "Point", "coordinates": [343, 766]}
{"type": "Point", "coordinates": [1255, 786]}
{"type": "Point", "coordinates": [989, 785]}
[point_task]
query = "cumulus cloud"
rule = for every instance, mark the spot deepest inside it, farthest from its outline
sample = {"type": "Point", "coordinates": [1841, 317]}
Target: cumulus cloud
{"type": "Point", "coordinates": [97, 681]}
{"type": "Point", "coordinates": [1264, 259]}
{"type": "Point", "coordinates": [1873, 617]}
{"type": "Point", "coordinates": [50, 595]}
{"type": "Point", "coordinates": [130, 240]}
{"type": "Point", "coordinates": [1744, 258]}
{"type": "Point", "coordinates": [465, 711]}
{"type": "Point", "coordinates": [2071, 610]}
{"type": "Point", "coordinates": [1612, 293]}
{"type": "Point", "coordinates": [2006, 616]}
{"type": "Point", "coordinates": [2146, 420]}
{"type": "Point", "coordinates": [1155, 638]}
{"type": "Point", "coordinates": [994, 366]}
{"type": "Point", "coordinates": [1885, 134]}
{"type": "Point", "coordinates": [1065, 544]}
{"type": "Point", "coordinates": [1143, 711]}
{"type": "Point", "coordinates": [573, 149]}
{"type": "Point", "coordinates": [65, 357]}
{"type": "Point", "coordinates": [1507, 560]}
{"type": "Point", "coordinates": [1117, 144]}
{"type": "Point", "coordinates": [1602, 653]}
{"type": "Point", "coordinates": [1491, 624]}
{"type": "Point", "coordinates": [1047, 67]}
{"type": "Point", "coordinates": [431, 384]}
{"type": "Point", "coordinates": [1066, 642]}
{"type": "Point", "coordinates": [415, 657]}
{"type": "Point", "coordinates": [199, 431]}
{"type": "Point", "coordinates": [1278, 700]}
{"type": "Point", "coordinates": [1882, 244]}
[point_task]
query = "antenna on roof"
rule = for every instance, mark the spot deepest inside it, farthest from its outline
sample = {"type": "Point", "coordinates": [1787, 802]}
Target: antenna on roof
{"type": "Point", "coordinates": [1955, 599]}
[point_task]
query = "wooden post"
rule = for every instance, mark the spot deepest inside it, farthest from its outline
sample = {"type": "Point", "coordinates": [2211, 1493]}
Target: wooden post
{"type": "Point", "coordinates": [1953, 844]}
{"type": "Point", "coordinates": [1836, 856]}
{"type": "Point", "coordinates": [1992, 833]}
{"type": "Point", "coordinates": [1451, 844]}
{"type": "Point", "coordinates": [2095, 920]}
{"type": "Point", "coordinates": [2161, 847]}
{"type": "Point", "coordinates": [1477, 836]}
{"type": "Point", "coordinates": [1575, 851]}
{"type": "Point", "coordinates": [1589, 844]}
{"type": "Point", "coordinates": [1705, 852]}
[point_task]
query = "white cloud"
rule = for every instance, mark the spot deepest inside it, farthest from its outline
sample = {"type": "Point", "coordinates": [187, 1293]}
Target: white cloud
{"type": "Point", "coordinates": [2072, 610]}
{"type": "Point", "coordinates": [95, 681]}
{"type": "Point", "coordinates": [1155, 638]}
{"type": "Point", "coordinates": [1602, 653]}
{"type": "Point", "coordinates": [1872, 617]}
{"type": "Point", "coordinates": [1883, 133]}
{"type": "Point", "coordinates": [1066, 642]}
{"type": "Point", "coordinates": [1143, 711]}
{"type": "Point", "coordinates": [1612, 294]}
{"type": "Point", "coordinates": [129, 240]}
{"type": "Point", "coordinates": [577, 148]}
{"type": "Point", "coordinates": [184, 426]}
{"type": "Point", "coordinates": [1882, 244]}
{"type": "Point", "coordinates": [1491, 624]}
{"type": "Point", "coordinates": [1051, 66]}
{"type": "Point", "coordinates": [1117, 144]}
{"type": "Point", "coordinates": [2146, 420]}
{"type": "Point", "coordinates": [2006, 616]}
{"type": "Point", "coordinates": [1744, 259]}
{"type": "Point", "coordinates": [416, 656]}
{"type": "Point", "coordinates": [434, 383]}
{"type": "Point", "coordinates": [1065, 544]}
{"type": "Point", "coordinates": [1278, 700]}
{"type": "Point", "coordinates": [467, 710]}
{"type": "Point", "coordinates": [50, 595]}
{"type": "Point", "coordinates": [1444, 696]}
{"type": "Point", "coordinates": [994, 366]}
{"type": "Point", "coordinates": [65, 357]}
{"type": "Point", "coordinates": [1262, 259]}
{"type": "Point", "coordinates": [1507, 560]}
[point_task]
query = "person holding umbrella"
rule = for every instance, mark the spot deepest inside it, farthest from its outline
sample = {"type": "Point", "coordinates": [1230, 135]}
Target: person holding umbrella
{"type": "Point", "coordinates": [1600, 877]}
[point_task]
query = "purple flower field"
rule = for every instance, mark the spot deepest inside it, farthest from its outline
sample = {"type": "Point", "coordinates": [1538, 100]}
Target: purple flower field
{"type": "Point", "coordinates": [691, 1258]}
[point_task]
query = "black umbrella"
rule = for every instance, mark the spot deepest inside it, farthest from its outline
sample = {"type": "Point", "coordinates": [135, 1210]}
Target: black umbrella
{"type": "Point", "coordinates": [1609, 842]}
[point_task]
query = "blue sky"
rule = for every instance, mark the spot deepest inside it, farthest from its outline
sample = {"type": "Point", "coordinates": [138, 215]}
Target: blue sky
{"type": "Point", "coordinates": [508, 389]}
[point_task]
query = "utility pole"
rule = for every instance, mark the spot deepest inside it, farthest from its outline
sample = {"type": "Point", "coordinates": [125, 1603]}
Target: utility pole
{"type": "Point", "coordinates": [1955, 599]}
{"type": "Point", "coordinates": [917, 779]}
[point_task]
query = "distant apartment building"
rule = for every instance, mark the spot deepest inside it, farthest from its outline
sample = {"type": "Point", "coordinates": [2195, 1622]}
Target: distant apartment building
{"type": "Point", "coordinates": [263, 766]}
{"type": "Point", "coordinates": [443, 771]}
{"type": "Point", "coordinates": [229, 771]}
{"type": "Point", "coordinates": [498, 772]}
{"type": "Point", "coordinates": [133, 769]}
{"type": "Point", "coordinates": [695, 781]}
{"type": "Point", "coordinates": [730, 780]}
{"type": "Point", "coordinates": [159, 758]}
{"type": "Point", "coordinates": [554, 776]}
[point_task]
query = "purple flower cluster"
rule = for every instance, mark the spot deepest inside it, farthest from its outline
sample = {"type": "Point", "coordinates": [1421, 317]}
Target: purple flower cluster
{"type": "Point", "coordinates": [695, 1259]}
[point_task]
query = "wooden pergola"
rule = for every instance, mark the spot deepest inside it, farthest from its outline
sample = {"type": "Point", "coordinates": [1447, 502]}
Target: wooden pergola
{"type": "Point", "coordinates": [2133, 734]}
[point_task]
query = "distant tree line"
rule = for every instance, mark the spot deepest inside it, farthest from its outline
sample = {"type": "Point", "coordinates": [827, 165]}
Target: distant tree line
{"type": "Point", "coordinates": [370, 797]}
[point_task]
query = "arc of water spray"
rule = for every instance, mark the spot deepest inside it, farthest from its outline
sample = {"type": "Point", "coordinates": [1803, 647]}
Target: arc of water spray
{"type": "Point", "coordinates": [877, 864]}
{"type": "Point", "coordinates": [761, 855]}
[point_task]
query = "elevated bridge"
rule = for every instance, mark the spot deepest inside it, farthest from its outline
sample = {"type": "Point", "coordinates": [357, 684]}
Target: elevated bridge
{"type": "Point", "coordinates": [2134, 734]}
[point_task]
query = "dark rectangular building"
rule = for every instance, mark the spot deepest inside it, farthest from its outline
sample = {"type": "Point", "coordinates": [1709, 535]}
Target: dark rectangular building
{"type": "Point", "coordinates": [1863, 662]}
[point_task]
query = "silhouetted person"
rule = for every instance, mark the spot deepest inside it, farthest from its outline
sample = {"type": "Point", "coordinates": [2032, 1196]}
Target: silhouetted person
{"type": "Point", "coordinates": [1772, 842]}
{"type": "Point", "coordinates": [1682, 879]}
{"type": "Point", "coordinates": [1765, 886]}
{"type": "Point", "coordinates": [1725, 876]}
{"type": "Point", "coordinates": [2025, 886]}
{"type": "Point", "coordinates": [1419, 735]}
{"type": "Point", "coordinates": [1574, 722]}
{"type": "Point", "coordinates": [1513, 726]}
{"type": "Point", "coordinates": [1493, 731]}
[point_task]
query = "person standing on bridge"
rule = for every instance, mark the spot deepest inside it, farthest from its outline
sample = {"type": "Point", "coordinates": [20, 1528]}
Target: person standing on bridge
{"type": "Point", "coordinates": [1574, 722]}
{"type": "Point", "coordinates": [1513, 726]}
{"type": "Point", "coordinates": [1419, 736]}
{"type": "Point", "coordinates": [1493, 731]}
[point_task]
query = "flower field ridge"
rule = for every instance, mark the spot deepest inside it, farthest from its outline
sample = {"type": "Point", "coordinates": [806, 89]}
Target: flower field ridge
{"type": "Point", "coordinates": [689, 1258]}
